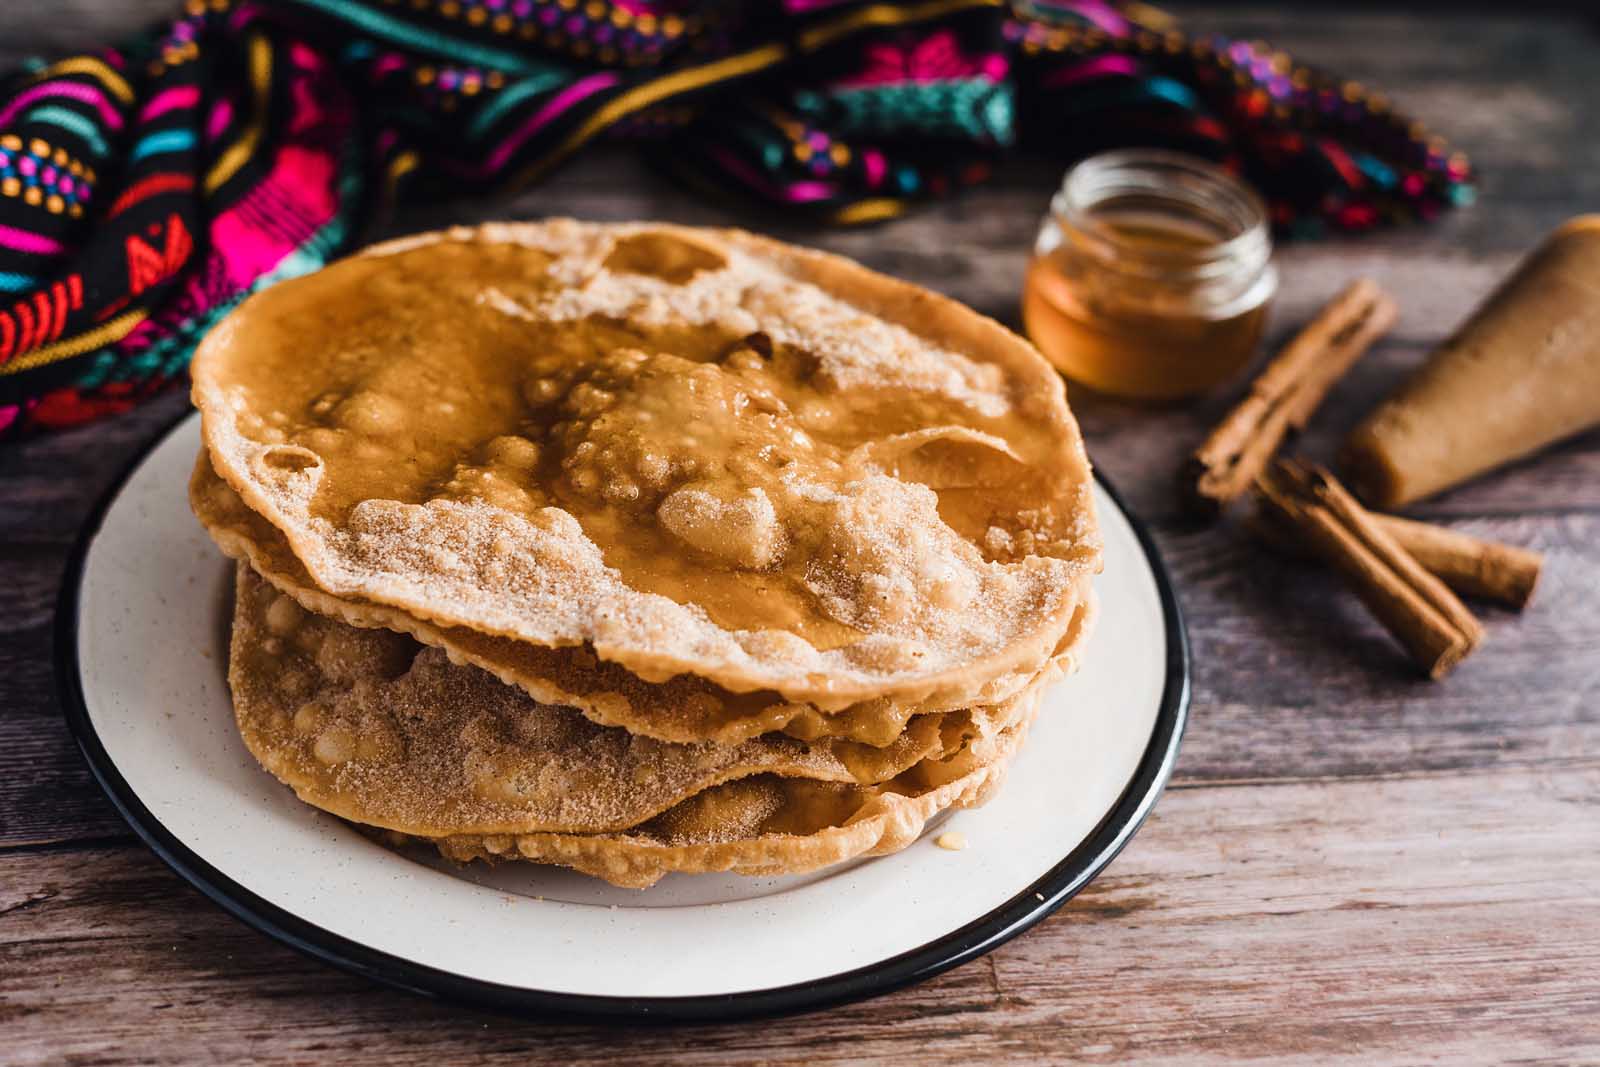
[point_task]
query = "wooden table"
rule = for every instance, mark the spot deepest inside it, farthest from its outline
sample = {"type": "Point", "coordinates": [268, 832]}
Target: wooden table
{"type": "Point", "coordinates": [1352, 864]}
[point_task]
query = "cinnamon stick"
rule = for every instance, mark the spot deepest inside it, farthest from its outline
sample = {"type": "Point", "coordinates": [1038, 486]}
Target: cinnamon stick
{"type": "Point", "coordinates": [1469, 565]}
{"type": "Point", "coordinates": [1287, 393]}
{"type": "Point", "coordinates": [1416, 607]}
{"type": "Point", "coordinates": [1472, 566]}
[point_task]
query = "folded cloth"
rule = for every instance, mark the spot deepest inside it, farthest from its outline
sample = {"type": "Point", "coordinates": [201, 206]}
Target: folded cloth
{"type": "Point", "coordinates": [146, 189]}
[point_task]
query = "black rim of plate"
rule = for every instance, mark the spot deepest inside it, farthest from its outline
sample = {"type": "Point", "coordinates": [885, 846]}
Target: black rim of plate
{"type": "Point", "coordinates": [1028, 907]}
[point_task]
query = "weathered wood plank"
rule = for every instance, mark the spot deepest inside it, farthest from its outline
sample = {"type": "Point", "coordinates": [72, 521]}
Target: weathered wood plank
{"type": "Point", "coordinates": [1287, 662]}
{"type": "Point", "coordinates": [1447, 920]}
{"type": "Point", "coordinates": [48, 486]}
{"type": "Point", "coordinates": [50, 482]}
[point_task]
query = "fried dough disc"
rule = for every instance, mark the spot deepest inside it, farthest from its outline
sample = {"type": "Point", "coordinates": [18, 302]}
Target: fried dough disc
{"type": "Point", "coordinates": [691, 451]}
{"type": "Point", "coordinates": [768, 825]}
{"type": "Point", "coordinates": [682, 709]}
{"type": "Point", "coordinates": [371, 726]}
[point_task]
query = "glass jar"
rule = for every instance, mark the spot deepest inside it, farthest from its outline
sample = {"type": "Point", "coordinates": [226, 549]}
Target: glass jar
{"type": "Point", "coordinates": [1151, 275]}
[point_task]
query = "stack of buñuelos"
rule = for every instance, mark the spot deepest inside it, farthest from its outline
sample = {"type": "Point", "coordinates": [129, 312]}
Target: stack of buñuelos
{"type": "Point", "coordinates": [638, 548]}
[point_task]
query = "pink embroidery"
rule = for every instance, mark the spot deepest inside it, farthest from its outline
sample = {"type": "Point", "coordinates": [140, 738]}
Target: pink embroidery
{"type": "Point", "coordinates": [256, 233]}
{"type": "Point", "coordinates": [84, 94]}
{"type": "Point", "coordinates": [1098, 67]}
{"type": "Point", "coordinates": [170, 100]}
{"type": "Point", "coordinates": [794, 192]}
{"type": "Point", "coordinates": [936, 57]}
{"type": "Point", "coordinates": [221, 115]}
{"type": "Point", "coordinates": [876, 167]}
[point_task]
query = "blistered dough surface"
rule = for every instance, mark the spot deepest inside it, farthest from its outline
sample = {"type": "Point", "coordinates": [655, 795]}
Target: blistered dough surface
{"type": "Point", "coordinates": [688, 451]}
{"type": "Point", "coordinates": [372, 726]}
{"type": "Point", "coordinates": [685, 708]}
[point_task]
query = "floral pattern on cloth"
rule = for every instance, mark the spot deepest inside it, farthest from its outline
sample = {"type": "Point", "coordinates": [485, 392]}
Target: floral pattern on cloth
{"type": "Point", "coordinates": [146, 189]}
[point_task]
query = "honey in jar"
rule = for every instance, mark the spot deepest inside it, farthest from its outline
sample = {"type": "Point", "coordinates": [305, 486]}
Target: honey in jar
{"type": "Point", "coordinates": [1151, 275]}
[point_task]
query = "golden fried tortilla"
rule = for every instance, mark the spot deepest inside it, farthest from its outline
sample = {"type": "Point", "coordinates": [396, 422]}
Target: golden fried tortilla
{"type": "Point", "coordinates": [369, 725]}
{"type": "Point", "coordinates": [687, 451]}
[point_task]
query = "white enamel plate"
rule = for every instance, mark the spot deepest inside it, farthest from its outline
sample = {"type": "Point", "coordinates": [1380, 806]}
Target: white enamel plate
{"type": "Point", "coordinates": [142, 649]}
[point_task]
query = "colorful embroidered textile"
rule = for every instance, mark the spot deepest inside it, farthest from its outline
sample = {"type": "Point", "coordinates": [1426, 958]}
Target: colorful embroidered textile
{"type": "Point", "coordinates": [145, 190]}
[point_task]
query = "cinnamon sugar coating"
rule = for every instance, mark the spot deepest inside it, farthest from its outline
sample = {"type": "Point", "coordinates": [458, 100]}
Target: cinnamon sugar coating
{"type": "Point", "coordinates": [378, 729]}
{"type": "Point", "coordinates": [685, 708]}
{"type": "Point", "coordinates": [687, 451]}
{"type": "Point", "coordinates": [636, 548]}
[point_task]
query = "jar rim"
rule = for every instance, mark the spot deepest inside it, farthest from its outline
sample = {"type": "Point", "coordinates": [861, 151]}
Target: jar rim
{"type": "Point", "coordinates": [1181, 183]}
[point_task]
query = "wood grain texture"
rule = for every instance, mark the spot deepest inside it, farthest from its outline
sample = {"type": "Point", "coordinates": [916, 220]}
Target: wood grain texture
{"type": "Point", "coordinates": [1244, 922]}
{"type": "Point", "coordinates": [1353, 866]}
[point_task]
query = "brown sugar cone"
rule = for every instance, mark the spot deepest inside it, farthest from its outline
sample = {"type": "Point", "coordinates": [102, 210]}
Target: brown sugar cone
{"type": "Point", "coordinates": [1520, 374]}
